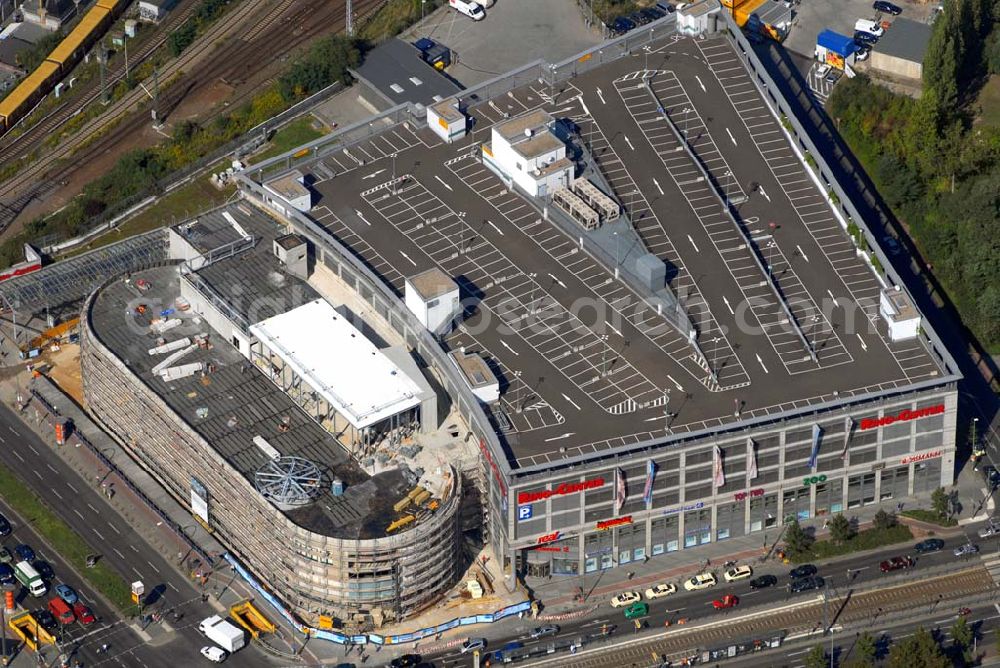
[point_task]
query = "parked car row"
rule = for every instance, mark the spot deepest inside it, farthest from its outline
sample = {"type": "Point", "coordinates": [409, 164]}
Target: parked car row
{"type": "Point", "coordinates": [622, 24]}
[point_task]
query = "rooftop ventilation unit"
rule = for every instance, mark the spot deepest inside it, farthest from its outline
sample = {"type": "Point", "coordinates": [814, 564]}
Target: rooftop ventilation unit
{"type": "Point", "coordinates": [266, 448]}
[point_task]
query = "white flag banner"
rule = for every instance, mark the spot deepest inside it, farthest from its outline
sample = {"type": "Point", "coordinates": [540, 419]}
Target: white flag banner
{"type": "Point", "coordinates": [751, 460]}
{"type": "Point", "coordinates": [719, 475]}
{"type": "Point", "coordinates": [620, 490]}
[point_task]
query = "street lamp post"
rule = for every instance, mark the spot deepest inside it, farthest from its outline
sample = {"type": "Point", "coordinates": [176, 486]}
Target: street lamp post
{"type": "Point", "coordinates": [617, 251]}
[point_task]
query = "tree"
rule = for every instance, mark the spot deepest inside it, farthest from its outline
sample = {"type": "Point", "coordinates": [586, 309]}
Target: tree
{"type": "Point", "coordinates": [920, 650]}
{"type": "Point", "coordinates": [864, 652]}
{"type": "Point", "coordinates": [796, 539]}
{"type": "Point", "coordinates": [884, 521]}
{"type": "Point", "coordinates": [940, 502]}
{"type": "Point", "coordinates": [816, 658]}
{"type": "Point", "coordinates": [841, 529]}
{"type": "Point", "coordinates": [961, 638]}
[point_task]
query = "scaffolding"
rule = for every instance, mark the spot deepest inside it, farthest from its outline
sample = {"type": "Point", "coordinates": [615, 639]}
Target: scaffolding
{"type": "Point", "coordinates": [576, 209]}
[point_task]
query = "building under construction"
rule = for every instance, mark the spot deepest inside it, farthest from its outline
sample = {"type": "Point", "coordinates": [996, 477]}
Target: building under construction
{"type": "Point", "coordinates": [261, 444]}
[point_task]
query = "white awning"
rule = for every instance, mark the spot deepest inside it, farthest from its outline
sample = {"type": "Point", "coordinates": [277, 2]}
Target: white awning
{"type": "Point", "coordinates": [338, 363]}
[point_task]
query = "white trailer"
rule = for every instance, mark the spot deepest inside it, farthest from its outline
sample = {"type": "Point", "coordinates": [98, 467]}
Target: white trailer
{"type": "Point", "coordinates": [222, 633]}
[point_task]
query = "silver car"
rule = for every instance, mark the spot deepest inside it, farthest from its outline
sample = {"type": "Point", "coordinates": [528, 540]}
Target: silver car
{"type": "Point", "coordinates": [967, 549]}
{"type": "Point", "coordinates": [542, 631]}
{"type": "Point", "coordinates": [991, 529]}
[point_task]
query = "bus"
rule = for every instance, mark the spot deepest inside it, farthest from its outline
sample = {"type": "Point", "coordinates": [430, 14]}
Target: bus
{"type": "Point", "coordinates": [29, 577]}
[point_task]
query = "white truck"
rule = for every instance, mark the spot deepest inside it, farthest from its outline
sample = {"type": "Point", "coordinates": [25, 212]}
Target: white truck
{"type": "Point", "coordinates": [222, 633]}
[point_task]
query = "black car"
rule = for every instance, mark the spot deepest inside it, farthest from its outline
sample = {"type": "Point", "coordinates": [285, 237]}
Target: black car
{"type": "Point", "coordinates": [7, 579]}
{"type": "Point", "coordinates": [887, 7]}
{"type": "Point", "coordinates": [652, 13]}
{"type": "Point", "coordinates": [665, 6]}
{"type": "Point", "coordinates": [4, 527]}
{"type": "Point", "coordinates": [44, 569]}
{"type": "Point", "coordinates": [929, 545]}
{"type": "Point", "coordinates": [24, 553]}
{"type": "Point", "coordinates": [763, 582]}
{"type": "Point", "coordinates": [45, 620]}
{"type": "Point", "coordinates": [803, 571]}
{"type": "Point", "coordinates": [639, 18]}
{"type": "Point", "coordinates": [862, 37]}
{"type": "Point", "coordinates": [621, 25]}
{"type": "Point", "coordinates": [405, 661]}
{"type": "Point", "coordinates": [805, 584]}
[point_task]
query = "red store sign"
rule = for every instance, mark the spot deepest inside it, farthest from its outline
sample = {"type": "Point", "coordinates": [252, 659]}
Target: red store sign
{"type": "Point", "coordinates": [933, 454]}
{"type": "Point", "coordinates": [549, 538]}
{"type": "Point", "coordinates": [739, 496]}
{"type": "Point", "coordinates": [904, 415]}
{"type": "Point", "coordinates": [562, 490]}
{"type": "Point", "coordinates": [617, 522]}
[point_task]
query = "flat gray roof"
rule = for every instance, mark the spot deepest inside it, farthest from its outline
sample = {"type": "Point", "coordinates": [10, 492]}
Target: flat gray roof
{"type": "Point", "coordinates": [398, 63]}
{"type": "Point", "coordinates": [906, 39]}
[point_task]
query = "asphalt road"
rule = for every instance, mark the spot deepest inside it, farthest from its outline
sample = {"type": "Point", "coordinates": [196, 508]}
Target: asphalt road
{"type": "Point", "coordinates": [79, 504]}
{"type": "Point", "coordinates": [698, 605]}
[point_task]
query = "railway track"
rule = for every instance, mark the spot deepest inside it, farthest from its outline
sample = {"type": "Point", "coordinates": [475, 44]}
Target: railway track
{"type": "Point", "coordinates": [14, 146]}
{"type": "Point", "coordinates": [262, 41]}
{"type": "Point", "coordinates": [13, 188]}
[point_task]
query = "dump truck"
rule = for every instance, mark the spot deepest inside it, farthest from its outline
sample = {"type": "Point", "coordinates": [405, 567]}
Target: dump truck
{"type": "Point", "coordinates": [222, 633]}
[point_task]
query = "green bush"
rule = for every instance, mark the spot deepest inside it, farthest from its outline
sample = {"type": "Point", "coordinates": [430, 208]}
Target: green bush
{"type": "Point", "coordinates": [930, 517]}
{"type": "Point", "coordinates": [182, 38]}
{"type": "Point", "coordinates": [326, 61]}
{"type": "Point", "coordinates": [70, 545]}
{"type": "Point", "coordinates": [863, 540]}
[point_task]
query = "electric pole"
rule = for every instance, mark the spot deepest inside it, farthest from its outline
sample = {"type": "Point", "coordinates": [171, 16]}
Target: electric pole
{"type": "Point", "coordinates": [155, 112]}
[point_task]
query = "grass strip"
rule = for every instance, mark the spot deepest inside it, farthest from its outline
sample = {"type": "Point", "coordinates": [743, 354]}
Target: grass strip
{"type": "Point", "coordinates": [60, 536]}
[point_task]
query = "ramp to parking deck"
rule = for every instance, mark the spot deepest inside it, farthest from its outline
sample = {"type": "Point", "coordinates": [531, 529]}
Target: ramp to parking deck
{"type": "Point", "coordinates": [27, 628]}
{"type": "Point", "coordinates": [253, 620]}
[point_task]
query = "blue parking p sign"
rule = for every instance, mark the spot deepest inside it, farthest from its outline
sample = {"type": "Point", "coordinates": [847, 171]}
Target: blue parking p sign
{"type": "Point", "coordinates": [523, 513]}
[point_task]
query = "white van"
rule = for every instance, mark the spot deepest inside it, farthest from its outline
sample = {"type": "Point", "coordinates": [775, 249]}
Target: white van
{"type": "Point", "coordinates": [868, 26]}
{"type": "Point", "coordinates": [471, 9]}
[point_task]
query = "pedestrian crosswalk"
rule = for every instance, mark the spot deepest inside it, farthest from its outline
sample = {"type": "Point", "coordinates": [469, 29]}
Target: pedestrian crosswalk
{"type": "Point", "coordinates": [992, 563]}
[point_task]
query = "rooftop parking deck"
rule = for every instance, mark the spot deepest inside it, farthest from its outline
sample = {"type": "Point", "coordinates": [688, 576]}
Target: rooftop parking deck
{"type": "Point", "coordinates": [786, 311]}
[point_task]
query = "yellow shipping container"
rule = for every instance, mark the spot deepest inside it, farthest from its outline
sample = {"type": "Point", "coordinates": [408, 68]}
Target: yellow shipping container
{"type": "Point", "coordinates": [27, 92]}
{"type": "Point", "coordinates": [82, 36]}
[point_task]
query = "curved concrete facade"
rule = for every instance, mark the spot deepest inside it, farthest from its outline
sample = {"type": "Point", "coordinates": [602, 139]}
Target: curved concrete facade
{"type": "Point", "coordinates": [385, 578]}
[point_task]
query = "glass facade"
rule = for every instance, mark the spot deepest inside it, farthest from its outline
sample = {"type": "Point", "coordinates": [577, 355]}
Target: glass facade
{"type": "Point", "coordinates": [853, 465]}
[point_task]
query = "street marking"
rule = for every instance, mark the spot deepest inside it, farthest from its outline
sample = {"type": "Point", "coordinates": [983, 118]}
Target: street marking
{"type": "Point", "coordinates": [761, 362]}
{"type": "Point", "coordinates": [114, 528]}
{"type": "Point", "coordinates": [560, 437]}
{"type": "Point", "coordinates": [863, 344]}
{"type": "Point", "coordinates": [152, 566]}
{"type": "Point", "coordinates": [731, 137]}
{"type": "Point", "coordinates": [93, 508]}
{"type": "Point", "coordinates": [362, 217]}
{"type": "Point", "coordinates": [373, 174]}
{"type": "Point", "coordinates": [600, 95]}
{"type": "Point", "coordinates": [629, 142]}
{"type": "Point", "coordinates": [443, 183]}
{"type": "Point", "coordinates": [494, 226]}
{"type": "Point", "coordinates": [132, 547]}
{"type": "Point", "coordinates": [693, 244]}
{"type": "Point", "coordinates": [678, 385]}
{"type": "Point", "coordinates": [49, 466]}
{"type": "Point", "coordinates": [78, 514]}
{"type": "Point", "coordinates": [505, 345]}
{"type": "Point", "coordinates": [32, 448]}
{"type": "Point", "coordinates": [98, 533]}
{"type": "Point", "coordinates": [136, 571]}
{"type": "Point", "coordinates": [728, 306]}
{"type": "Point", "coordinates": [115, 549]}
{"type": "Point", "coordinates": [700, 83]}
{"type": "Point", "coordinates": [657, 184]}
{"type": "Point", "coordinates": [763, 193]}
{"type": "Point", "coordinates": [70, 485]}
{"type": "Point", "coordinates": [572, 402]}
{"type": "Point", "coordinates": [16, 454]}
{"type": "Point", "coordinates": [561, 284]}
{"type": "Point", "coordinates": [174, 588]}
{"type": "Point", "coordinates": [802, 253]}
{"type": "Point", "coordinates": [613, 328]}
{"type": "Point", "coordinates": [653, 419]}
{"type": "Point", "coordinates": [39, 475]}
{"type": "Point", "coordinates": [13, 430]}
{"type": "Point", "coordinates": [408, 258]}
{"type": "Point", "coordinates": [56, 492]}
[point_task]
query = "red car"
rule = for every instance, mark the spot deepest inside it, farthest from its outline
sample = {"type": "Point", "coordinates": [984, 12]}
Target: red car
{"type": "Point", "coordinates": [726, 602]}
{"type": "Point", "coordinates": [83, 613]}
{"type": "Point", "coordinates": [895, 564]}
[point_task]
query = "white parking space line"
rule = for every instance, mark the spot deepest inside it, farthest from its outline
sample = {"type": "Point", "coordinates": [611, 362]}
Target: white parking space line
{"type": "Point", "coordinates": [98, 533]}
{"type": "Point", "coordinates": [18, 455]}
{"type": "Point", "coordinates": [56, 492]}
{"type": "Point", "coordinates": [120, 555]}
{"type": "Point", "coordinates": [78, 514]}
{"type": "Point", "coordinates": [114, 528]}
